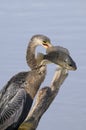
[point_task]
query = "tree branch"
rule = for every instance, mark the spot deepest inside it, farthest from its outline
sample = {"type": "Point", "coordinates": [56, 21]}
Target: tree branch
{"type": "Point", "coordinates": [44, 98]}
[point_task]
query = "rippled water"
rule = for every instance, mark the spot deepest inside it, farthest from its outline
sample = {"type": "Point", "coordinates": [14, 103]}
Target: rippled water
{"type": "Point", "coordinates": [65, 23]}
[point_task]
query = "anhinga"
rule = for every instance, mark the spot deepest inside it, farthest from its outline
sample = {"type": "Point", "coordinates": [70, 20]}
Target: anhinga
{"type": "Point", "coordinates": [17, 95]}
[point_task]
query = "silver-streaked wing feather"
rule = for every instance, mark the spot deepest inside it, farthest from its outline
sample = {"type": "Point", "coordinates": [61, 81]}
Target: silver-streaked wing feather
{"type": "Point", "coordinates": [13, 110]}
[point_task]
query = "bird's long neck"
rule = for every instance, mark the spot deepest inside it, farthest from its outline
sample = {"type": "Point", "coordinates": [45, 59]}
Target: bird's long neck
{"type": "Point", "coordinates": [34, 80]}
{"type": "Point", "coordinates": [30, 56]}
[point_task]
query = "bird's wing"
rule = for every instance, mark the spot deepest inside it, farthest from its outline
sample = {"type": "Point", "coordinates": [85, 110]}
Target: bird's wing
{"type": "Point", "coordinates": [13, 109]}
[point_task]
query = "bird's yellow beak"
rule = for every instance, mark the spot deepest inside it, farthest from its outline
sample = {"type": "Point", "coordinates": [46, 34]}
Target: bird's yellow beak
{"type": "Point", "coordinates": [47, 45]}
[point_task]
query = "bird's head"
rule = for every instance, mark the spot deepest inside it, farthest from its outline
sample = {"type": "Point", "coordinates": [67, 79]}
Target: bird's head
{"type": "Point", "coordinates": [41, 40]}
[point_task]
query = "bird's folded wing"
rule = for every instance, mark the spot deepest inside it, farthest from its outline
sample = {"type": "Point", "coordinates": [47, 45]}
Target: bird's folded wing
{"type": "Point", "coordinates": [12, 111]}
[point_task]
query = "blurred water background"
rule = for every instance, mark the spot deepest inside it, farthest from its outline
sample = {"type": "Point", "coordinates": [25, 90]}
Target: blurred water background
{"type": "Point", "coordinates": [64, 21]}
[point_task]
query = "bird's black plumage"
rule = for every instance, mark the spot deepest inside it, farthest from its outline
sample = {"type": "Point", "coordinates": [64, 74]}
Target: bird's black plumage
{"type": "Point", "coordinates": [15, 103]}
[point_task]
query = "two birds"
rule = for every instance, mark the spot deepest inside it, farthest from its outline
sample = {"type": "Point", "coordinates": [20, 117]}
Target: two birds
{"type": "Point", "coordinates": [16, 97]}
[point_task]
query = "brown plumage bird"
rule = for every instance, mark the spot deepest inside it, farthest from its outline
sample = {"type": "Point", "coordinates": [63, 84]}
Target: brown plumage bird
{"type": "Point", "coordinates": [60, 56]}
{"type": "Point", "coordinates": [17, 95]}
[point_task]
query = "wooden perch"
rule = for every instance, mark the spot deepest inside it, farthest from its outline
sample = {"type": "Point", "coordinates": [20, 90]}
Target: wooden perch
{"type": "Point", "coordinates": [44, 98]}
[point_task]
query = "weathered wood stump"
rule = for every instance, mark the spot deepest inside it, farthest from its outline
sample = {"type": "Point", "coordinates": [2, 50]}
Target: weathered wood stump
{"type": "Point", "coordinates": [43, 100]}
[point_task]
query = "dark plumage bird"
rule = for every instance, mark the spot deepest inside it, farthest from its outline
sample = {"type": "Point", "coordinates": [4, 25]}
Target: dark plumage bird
{"type": "Point", "coordinates": [17, 95]}
{"type": "Point", "coordinates": [60, 56]}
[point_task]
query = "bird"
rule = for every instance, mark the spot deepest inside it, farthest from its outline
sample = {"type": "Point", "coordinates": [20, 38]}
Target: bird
{"type": "Point", "coordinates": [16, 97]}
{"type": "Point", "coordinates": [60, 56]}
{"type": "Point", "coordinates": [34, 42]}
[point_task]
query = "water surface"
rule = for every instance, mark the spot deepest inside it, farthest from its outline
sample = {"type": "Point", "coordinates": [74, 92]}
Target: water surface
{"type": "Point", "coordinates": [65, 23]}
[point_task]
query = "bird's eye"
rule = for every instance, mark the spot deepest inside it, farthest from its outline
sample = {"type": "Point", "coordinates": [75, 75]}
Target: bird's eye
{"type": "Point", "coordinates": [44, 41]}
{"type": "Point", "coordinates": [45, 44]}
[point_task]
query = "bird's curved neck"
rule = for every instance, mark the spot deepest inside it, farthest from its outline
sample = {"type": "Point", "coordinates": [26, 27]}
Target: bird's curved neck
{"type": "Point", "coordinates": [34, 80]}
{"type": "Point", "coordinates": [30, 56]}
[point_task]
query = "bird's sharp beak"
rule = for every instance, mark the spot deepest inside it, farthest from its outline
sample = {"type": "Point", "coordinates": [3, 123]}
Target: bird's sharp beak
{"type": "Point", "coordinates": [47, 45]}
